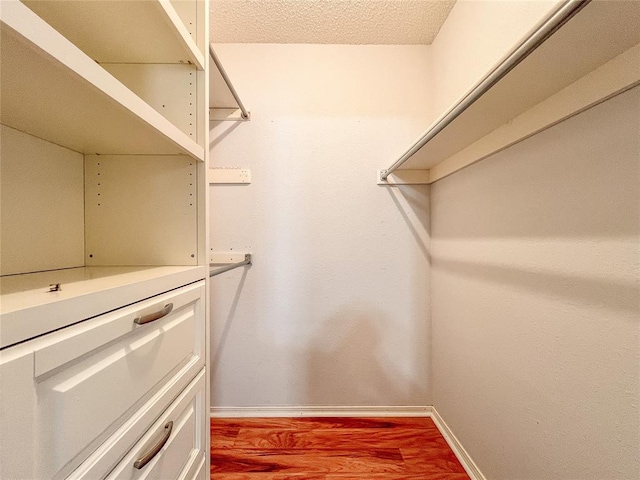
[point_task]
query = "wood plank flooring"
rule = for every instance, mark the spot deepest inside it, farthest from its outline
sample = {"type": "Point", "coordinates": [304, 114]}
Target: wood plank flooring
{"type": "Point", "coordinates": [331, 448]}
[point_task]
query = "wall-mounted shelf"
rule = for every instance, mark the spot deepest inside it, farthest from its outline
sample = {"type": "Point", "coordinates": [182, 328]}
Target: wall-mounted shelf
{"type": "Point", "coordinates": [123, 32]}
{"type": "Point", "coordinates": [224, 102]}
{"type": "Point", "coordinates": [72, 101]}
{"type": "Point", "coordinates": [592, 57]}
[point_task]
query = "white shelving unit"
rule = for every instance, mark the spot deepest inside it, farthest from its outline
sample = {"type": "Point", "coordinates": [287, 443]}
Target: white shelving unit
{"type": "Point", "coordinates": [592, 57]}
{"type": "Point", "coordinates": [96, 172]}
{"type": "Point", "coordinates": [72, 101]}
{"type": "Point", "coordinates": [104, 255]}
{"type": "Point", "coordinates": [145, 32]}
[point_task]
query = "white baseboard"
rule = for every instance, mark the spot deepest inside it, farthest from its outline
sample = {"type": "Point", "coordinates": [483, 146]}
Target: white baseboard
{"type": "Point", "coordinates": [320, 411]}
{"type": "Point", "coordinates": [465, 459]}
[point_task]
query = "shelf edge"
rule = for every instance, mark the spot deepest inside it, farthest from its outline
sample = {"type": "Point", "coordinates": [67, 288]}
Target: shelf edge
{"type": "Point", "coordinates": [196, 56]}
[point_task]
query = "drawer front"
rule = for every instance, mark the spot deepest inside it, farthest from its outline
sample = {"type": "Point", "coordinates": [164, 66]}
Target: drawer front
{"type": "Point", "coordinates": [198, 470]}
{"type": "Point", "coordinates": [174, 444]}
{"type": "Point", "coordinates": [70, 390]}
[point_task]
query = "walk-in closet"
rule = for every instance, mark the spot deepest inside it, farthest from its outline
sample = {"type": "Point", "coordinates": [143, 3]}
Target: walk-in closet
{"type": "Point", "coordinates": [320, 239]}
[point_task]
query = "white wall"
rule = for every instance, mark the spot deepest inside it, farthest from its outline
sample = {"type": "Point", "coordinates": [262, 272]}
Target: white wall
{"type": "Point", "coordinates": [473, 39]}
{"type": "Point", "coordinates": [334, 310]}
{"type": "Point", "coordinates": [535, 301]}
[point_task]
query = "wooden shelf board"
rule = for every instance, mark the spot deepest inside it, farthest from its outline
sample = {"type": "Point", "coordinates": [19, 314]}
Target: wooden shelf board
{"type": "Point", "coordinates": [52, 90]}
{"type": "Point", "coordinates": [85, 292]}
{"type": "Point", "coordinates": [596, 35]}
{"type": "Point", "coordinates": [110, 31]}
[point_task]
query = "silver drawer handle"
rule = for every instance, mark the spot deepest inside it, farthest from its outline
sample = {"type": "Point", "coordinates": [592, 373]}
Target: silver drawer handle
{"type": "Point", "coordinates": [146, 458]}
{"type": "Point", "coordinates": [166, 310]}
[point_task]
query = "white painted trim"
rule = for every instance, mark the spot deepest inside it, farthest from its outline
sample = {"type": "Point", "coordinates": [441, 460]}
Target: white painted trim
{"type": "Point", "coordinates": [321, 411]}
{"type": "Point", "coordinates": [465, 459]}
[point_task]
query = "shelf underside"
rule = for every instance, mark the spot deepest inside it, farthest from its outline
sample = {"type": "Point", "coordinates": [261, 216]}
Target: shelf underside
{"type": "Point", "coordinates": [599, 33]}
{"type": "Point", "coordinates": [122, 31]}
{"type": "Point", "coordinates": [53, 91]}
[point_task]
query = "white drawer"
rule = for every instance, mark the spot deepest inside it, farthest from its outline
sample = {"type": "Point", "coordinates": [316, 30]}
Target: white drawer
{"type": "Point", "coordinates": [145, 422]}
{"type": "Point", "coordinates": [198, 471]}
{"type": "Point", "coordinates": [175, 445]}
{"type": "Point", "coordinates": [64, 394]}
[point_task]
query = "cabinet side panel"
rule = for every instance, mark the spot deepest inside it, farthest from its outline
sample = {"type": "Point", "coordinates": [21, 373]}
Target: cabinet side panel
{"type": "Point", "coordinates": [42, 205]}
{"type": "Point", "coordinates": [140, 210]}
{"type": "Point", "coordinates": [192, 13]}
{"type": "Point", "coordinates": [18, 423]}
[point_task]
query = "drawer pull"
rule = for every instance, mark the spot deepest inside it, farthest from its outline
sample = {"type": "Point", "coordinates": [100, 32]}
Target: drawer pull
{"type": "Point", "coordinates": [146, 458]}
{"type": "Point", "coordinates": [166, 310]}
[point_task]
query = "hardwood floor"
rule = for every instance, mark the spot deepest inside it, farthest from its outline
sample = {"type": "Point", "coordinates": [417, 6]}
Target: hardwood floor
{"type": "Point", "coordinates": [331, 448]}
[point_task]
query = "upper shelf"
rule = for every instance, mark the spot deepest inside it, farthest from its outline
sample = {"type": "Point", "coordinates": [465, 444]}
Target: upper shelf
{"type": "Point", "coordinates": [592, 57]}
{"type": "Point", "coordinates": [122, 32]}
{"type": "Point", "coordinates": [54, 91]}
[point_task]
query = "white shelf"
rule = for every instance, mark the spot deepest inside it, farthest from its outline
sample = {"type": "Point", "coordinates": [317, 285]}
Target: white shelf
{"type": "Point", "coordinates": [110, 31]}
{"type": "Point", "coordinates": [85, 292]}
{"type": "Point", "coordinates": [54, 91]}
{"type": "Point", "coordinates": [594, 56]}
{"type": "Point", "coordinates": [224, 102]}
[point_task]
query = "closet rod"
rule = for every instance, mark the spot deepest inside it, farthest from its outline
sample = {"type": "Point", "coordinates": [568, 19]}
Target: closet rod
{"type": "Point", "coordinates": [562, 15]}
{"type": "Point", "coordinates": [245, 114]}
{"type": "Point", "coordinates": [226, 268]}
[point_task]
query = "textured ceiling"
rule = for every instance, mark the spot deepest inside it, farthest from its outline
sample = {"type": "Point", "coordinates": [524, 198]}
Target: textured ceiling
{"type": "Point", "coordinates": [395, 22]}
